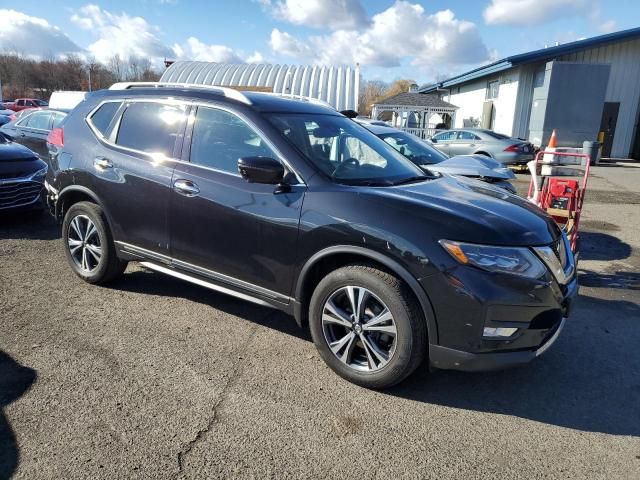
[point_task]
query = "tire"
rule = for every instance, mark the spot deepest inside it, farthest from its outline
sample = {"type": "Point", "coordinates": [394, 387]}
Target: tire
{"type": "Point", "coordinates": [360, 359]}
{"type": "Point", "coordinates": [82, 250]}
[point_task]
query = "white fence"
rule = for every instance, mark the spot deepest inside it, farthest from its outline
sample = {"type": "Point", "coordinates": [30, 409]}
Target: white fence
{"type": "Point", "coordinates": [423, 133]}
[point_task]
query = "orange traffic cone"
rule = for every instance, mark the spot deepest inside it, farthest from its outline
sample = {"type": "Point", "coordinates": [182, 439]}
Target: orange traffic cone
{"type": "Point", "coordinates": [548, 158]}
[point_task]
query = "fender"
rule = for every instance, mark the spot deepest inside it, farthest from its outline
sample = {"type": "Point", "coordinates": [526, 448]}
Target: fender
{"type": "Point", "coordinates": [392, 265]}
{"type": "Point", "coordinates": [79, 188]}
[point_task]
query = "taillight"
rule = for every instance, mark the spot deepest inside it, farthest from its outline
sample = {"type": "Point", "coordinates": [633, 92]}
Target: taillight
{"type": "Point", "coordinates": [56, 137]}
{"type": "Point", "coordinates": [513, 148]}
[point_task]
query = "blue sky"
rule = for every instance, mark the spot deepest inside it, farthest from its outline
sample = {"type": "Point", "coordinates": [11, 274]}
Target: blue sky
{"type": "Point", "coordinates": [390, 39]}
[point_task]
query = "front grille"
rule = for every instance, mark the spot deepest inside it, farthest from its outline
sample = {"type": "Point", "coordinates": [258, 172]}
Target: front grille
{"type": "Point", "coordinates": [15, 194]}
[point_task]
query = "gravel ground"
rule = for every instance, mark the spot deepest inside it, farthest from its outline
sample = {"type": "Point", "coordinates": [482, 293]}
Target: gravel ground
{"type": "Point", "coordinates": [156, 378]}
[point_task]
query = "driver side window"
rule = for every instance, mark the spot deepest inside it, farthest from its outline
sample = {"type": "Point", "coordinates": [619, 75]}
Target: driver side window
{"type": "Point", "coordinates": [220, 138]}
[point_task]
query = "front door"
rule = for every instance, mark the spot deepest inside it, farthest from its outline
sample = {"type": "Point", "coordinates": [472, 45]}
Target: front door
{"type": "Point", "coordinates": [608, 126]}
{"type": "Point", "coordinates": [222, 227]}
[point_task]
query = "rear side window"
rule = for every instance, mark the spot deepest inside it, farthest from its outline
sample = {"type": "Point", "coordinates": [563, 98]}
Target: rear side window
{"type": "Point", "coordinates": [38, 120]}
{"type": "Point", "coordinates": [220, 138]}
{"type": "Point", "coordinates": [101, 118]}
{"type": "Point", "coordinates": [467, 136]}
{"type": "Point", "coordinates": [150, 127]}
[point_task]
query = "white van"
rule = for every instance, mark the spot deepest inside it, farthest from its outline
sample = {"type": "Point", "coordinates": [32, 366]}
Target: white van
{"type": "Point", "coordinates": [66, 100]}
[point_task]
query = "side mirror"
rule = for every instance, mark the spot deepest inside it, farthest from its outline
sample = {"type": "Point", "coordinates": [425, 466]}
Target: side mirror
{"type": "Point", "coordinates": [261, 170]}
{"type": "Point", "coordinates": [433, 140]}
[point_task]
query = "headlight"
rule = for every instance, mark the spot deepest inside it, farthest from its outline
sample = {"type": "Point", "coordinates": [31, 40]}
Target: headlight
{"type": "Point", "coordinates": [513, 260]}
{"type": "Point", "coordinates": [40, 174]}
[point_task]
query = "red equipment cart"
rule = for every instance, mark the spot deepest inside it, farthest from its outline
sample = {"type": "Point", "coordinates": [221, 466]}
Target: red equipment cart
{"type": "Point", "coordinates": [560, 196]}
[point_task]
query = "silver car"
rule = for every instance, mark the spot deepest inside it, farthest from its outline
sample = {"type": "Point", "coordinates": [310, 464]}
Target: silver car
{"type": "Point", "coordinates": [476, 141]}
{"type": "Point", "coordinates": [424, 155]}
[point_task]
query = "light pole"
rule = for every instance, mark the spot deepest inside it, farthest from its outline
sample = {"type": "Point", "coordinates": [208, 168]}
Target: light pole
{"type": "Point", "coordinates": [89, 73]}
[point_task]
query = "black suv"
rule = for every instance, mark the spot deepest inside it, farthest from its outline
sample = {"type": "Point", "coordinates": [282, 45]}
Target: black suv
{"type": "Point", "coordinates": [289, 204]}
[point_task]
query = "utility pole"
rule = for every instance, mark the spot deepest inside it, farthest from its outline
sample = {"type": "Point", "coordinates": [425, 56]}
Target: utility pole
{"type": "Point", "coordinates": [89, 72]}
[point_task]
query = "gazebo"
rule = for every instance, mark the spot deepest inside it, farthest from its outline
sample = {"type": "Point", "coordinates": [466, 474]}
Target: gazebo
{"type": "Point", "coordinates": [417, 113]}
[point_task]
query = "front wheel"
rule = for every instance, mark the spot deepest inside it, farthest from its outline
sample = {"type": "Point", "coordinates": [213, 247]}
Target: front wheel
{"type": "Point", "coordinates": [367, 326]}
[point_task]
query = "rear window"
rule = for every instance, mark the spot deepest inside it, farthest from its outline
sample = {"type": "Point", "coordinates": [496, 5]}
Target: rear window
{"type": "Point", "coordinates": [150, 127]}
{"type": "Point", "coordinates": [493, 134]}
{"type": "Point", "coordinates": [101, 118]}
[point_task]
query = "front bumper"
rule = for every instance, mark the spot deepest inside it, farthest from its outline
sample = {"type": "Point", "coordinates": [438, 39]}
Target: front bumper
{"type": "Point", "coordinates": [450, 359]}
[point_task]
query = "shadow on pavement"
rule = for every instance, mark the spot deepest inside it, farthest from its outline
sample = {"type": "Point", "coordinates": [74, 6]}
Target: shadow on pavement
{"type": "Point", "coordinates": [602, 246]}
{"type": "Point", "coordinates": [15, 380]}
{"type": "Point", "coordinates": [28, 225]}
{"type": "Point", "coordinates": [618, 280]}
{"type": "Point", "coordinates": [589, 380]}
{"type": "Point", "coordinates": [152, 283]}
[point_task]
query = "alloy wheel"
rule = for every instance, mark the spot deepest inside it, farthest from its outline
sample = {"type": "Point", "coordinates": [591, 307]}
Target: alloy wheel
{"type": "Point", "coordinates": [359, 328]}
{"type": "Point", "coordinates": [84, 243]}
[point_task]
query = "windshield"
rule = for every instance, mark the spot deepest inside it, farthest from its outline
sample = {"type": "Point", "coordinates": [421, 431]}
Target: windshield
{"type": "Point", "coordinates": [413, 148]}
{"type": "Point", "coordinates": [345, 151]}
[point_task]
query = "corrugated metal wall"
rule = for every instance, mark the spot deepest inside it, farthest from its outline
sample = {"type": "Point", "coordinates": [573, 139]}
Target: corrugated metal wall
{"type": "Point", "coordinates": [624, 87]}
{"type": "Point", "coordinates": [337, 85]}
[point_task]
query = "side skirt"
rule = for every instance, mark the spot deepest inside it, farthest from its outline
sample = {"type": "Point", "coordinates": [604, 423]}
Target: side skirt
{"type": "Point", "coordinates": [213, 286]}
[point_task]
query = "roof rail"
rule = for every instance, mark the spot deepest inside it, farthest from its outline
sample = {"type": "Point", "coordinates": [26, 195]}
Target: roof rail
{"type": "Point", "coordinates": [301, 98]}
{"type": "Point", "coordinates": [227, 92]}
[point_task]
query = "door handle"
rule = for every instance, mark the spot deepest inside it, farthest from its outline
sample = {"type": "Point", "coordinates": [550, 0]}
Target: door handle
{"type": "Point", "coordinates": [186, 188]}
{"type": "Point", "coordinates": [22, 134]}
{"type": "Point", "coordinates": [102, 163]}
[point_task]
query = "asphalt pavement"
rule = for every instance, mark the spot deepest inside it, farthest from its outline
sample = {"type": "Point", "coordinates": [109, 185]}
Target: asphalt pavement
{"type": "Point", "coordinates": [152, 377]}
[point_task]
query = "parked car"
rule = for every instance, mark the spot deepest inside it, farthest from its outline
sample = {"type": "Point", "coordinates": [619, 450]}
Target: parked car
{"type": "Point", "coordinates": [32, 129]}
{"type": "Point", "coordinates": [291, 205]}
{"type": "Point", "coordinates": [476, 141]}
{"type": "Point", "coordinates": [22, 103]}
{"type": "Point", "coordinates": [22, 176]}
{"type": "Point", "coordinates": [425, 155]}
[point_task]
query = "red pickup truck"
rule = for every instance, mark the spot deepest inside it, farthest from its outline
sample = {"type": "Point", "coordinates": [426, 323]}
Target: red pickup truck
{"type": "Point", "coordinates": [22, 103]}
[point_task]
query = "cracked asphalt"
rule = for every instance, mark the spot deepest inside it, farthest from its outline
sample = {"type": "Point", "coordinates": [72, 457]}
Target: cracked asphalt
{"type": "Point", "coordinates": [152, 377]}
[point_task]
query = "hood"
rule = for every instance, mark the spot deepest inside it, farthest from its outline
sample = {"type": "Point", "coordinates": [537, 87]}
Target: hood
{"type": "Point", "coordinates": [17, 161]}
{"type": "Point", "coordinates": [468, 210]}
{"type": "Point", "coordinates": [473, 166]}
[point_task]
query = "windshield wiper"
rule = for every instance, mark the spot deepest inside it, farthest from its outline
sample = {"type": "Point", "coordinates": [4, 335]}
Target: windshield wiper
{"type": "Point", "coordinates": [417, 178]}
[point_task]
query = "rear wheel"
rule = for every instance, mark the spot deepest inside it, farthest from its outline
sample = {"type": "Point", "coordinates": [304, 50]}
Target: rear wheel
{"type": "Point", "coordinates": [89, 245]}
{"type": "Point", "coordinates": [367, 326]}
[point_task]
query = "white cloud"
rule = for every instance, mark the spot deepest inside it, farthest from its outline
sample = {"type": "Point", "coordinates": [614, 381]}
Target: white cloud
{"type": "Point", "coordinates": [120, 34]}
{"type": "Point", "coordinates": [33, 36]}
{"type": "Point", "coordinates": [528, 12]}
{"type": "Point", "coordinates": [402, 31]}
{"type": "Point", "coordinates": [134, 37]}
{"type": "Point", "coordinates": [608, 26]}
{"type": "Point", "coordinates": [256, 57]}
{"type": "Point", "coordinates": [286, 44]}
{"type": "Point", "coordinates": [332, 14]}
{"type": "Point", "coordinates": [194, 49]}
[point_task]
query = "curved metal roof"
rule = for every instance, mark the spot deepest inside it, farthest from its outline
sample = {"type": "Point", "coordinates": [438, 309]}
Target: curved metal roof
{"type": "Point", "coordinates": [337, 85]}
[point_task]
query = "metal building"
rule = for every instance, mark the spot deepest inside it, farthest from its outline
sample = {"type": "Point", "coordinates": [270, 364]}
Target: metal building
{"type": "Point", "coordinates": [504, 95]}
{"type": "Point", "coordinates": [336, 85]}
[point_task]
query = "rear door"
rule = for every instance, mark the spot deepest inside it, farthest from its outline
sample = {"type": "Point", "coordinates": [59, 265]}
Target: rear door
{"type": "Point", "coordinates": [222, 227]}
{"type": "Point", "coordinates": [464, 144]}
{"type": "Point", "coordinates": [132, 166]}
{"type": "Point", "coordinates": [33, 130]}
